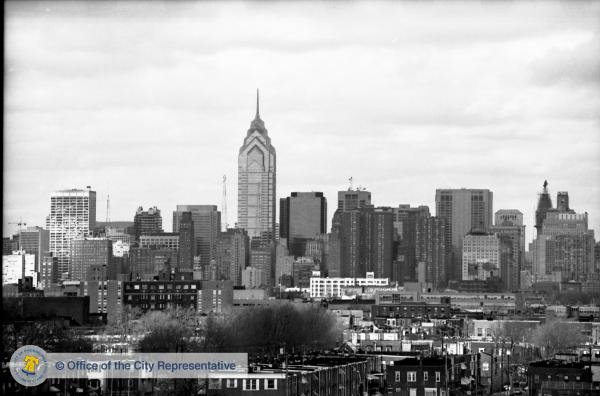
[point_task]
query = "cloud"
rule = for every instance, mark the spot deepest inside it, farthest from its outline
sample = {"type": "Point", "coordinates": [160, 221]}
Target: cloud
{"type": "Point", "coordinates": [150, 101]}
{"type": "Point", "coordinates": [579, 65]}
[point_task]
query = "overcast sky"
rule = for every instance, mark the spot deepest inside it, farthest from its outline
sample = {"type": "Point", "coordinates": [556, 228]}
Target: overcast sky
{"type": "Point", "coordinates": [150, 101]}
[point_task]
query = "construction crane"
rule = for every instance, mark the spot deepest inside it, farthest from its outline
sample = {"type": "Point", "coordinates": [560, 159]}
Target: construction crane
{"type": "Point", "coordinates": [224, 204]}
{"type": "Point", "coordinates": [20, 224]}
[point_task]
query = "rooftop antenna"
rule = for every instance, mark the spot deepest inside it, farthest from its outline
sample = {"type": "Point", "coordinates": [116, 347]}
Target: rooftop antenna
{"type": "Point", "coordinates": [107, 209]}
{"type": "Point", "coordinates": [350, 181]}
{"type": "Point", "coordinates": [224, 204]}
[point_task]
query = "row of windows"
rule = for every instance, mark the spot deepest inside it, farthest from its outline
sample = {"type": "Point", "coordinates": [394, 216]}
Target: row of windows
{"type": "Point", "coordinates": [411, 376]}
{"type": "Point", "coordinates": [168, 286]}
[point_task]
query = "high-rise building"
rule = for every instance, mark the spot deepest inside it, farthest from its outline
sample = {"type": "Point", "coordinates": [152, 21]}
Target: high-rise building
{"type": "Point", "coordinates": [573, 242]}
{"type": "Point", "coordinates": [366, 240]}
{"type": "Point", "coordinates": [256, 180]}
{"type": "Point", "coordinates": [261, 258]}
{"type": "Point", "coordinates": [508, 226]}
{"type": "Point", "coordinates": [432, 249]}
{"type": "Point", "coordinates": [147, 263]}
{"type": "Point", "coordinates": [465, 210]}
{"type": "Point", "coordinates": [72, 215]}
{"type": "Point", "coordinates": [48, 271]}
{"type": "Point", "coordinates": [564, 246]}
{"type": "Point", "coordinates": [147, 222]}
{"type": "Point", "coordinates": [353, 199]}
{"type": "Point", "coordinates": [302, 216]}
{"type": "Point", "coordinates": [34, 240]}
{"type": "Point", "coordinates": [187, 241]}
{"type": "Point", "coordinates": [481, 256]}
{"type": "Point", "coordinates": [405, 238]}
{"type": "Point", "coordinates": [90, 259]}
{"type": "Point", "coordinates": [232, 254]}
{"type": "Point", "coordinates": [207, 226]}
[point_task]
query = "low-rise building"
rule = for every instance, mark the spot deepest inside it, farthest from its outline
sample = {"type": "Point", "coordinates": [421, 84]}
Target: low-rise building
{"type": "Point", "coordinates": [333, 287]}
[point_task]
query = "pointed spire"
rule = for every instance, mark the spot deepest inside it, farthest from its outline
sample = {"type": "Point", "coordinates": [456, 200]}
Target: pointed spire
{"type": "Point", "coordinates": [257, 104]}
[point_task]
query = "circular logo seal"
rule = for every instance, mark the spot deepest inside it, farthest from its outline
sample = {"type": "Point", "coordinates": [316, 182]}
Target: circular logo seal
{"type": "Point", "coordinates": [29, 365]}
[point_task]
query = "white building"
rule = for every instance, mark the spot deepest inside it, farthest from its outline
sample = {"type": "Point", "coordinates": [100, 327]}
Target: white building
{"type": "Point", "coordinates": [17, 266]}
{"type": "Point", "coordinates": [120, 248]}
{"type": "Point", "coordinates": [480, 256]}
{"type": "Point", "coordinates": [252, 278]}
{"type": "Point", "coordinates": [72, 216]}
{"type": "Point", "coordinates": [333, 287]}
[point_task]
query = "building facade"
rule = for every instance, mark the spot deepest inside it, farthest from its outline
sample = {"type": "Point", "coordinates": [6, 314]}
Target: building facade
{"type": "Point", "coordinates": [207, 225]}
{"type": "Point", "coordinates": [334, 287]}
{"type": "Point", "coordinates": [147, 222]}
{"type": "Point", "coordinates": [465, 210]}
{"type": "Point", "coordinates": [90, 259]}
{"type": "Point", "coordinates": [72, 215]}
{"type": "Point", "coordinates": [481, 256]}
{"type": "Point", "coordinates": [256, 180]}
{"type": "Point", "coordinates": [508, 226]}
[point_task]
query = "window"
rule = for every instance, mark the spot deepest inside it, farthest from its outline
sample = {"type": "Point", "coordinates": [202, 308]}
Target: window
{"type": "Point", "coordinates": [411, 376]}
{"type": "Point", "coordinates": [270, 384]}
{"type": "Point", "coordinates": [425, 376]}
{"type": "Point", "coordinates": [430, 392]}
{"type": "Point", "coordinates": [438, 376]}
{"type": "Point", "coordinates": [251, 384]}
{"type": "Point", "coordinates": [398, 376]}
{"type": "Point", "coordinates": [231, 383]}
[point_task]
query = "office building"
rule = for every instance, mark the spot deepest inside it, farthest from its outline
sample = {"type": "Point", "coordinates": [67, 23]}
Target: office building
{"type": "Point", "coordinates": [253, 278]}
{"type": "Point", "coordinates": [508, 226]}
{"type": "Point", "coordinates": [147, 222]}
{"type": "Point", "coordinates": [332, 287]}
{"type": "Point", "coordinates": [302, 216]}
{"type": "Point", "coordinates": [17, 266]}
{"type": "Point", "coordinates": [147, 263]}
{"type": "Point", "coordinates": [353, 199]}
{"type": "Point", "coordinates": [232, 255]}
{"type": "Point", "coordinates": [564, 246]}
{"type": "Point", "coordinates": [256, 180]}
{"type": "Point", "coordinates": [34, 240]}
{"type": "Point", "coordinates": [163, 240]}
{"type": "Point", "coordinates": [72, 216]}
{"type": "Point", "coordinates": [481, 256]}
{"type": "Point", "coordinates": [465, 210]}
{"type": "Point", "coordinates": [90, 259]}
{"type": "Point", "coordinates": [432, 249]}
{"type": "Point", "coordinates": [261, 259]}
{"type": "Point", "coordinates": [405, 221]}
{"type": "Point", "coordinates": [207, 226]}
{"type": "Point", "coordinates": [186, 242]}
{"type": "Point", "coordinates": [366, 241]}
{"type": "Point", "coordinates": [48, 274]}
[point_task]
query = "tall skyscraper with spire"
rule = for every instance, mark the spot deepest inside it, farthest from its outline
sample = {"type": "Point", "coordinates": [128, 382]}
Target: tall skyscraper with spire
{"type": "Point", "coordinates": [256, 180]}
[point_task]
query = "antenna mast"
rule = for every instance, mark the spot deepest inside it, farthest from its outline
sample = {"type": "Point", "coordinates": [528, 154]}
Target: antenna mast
{"type": "Point", "coordinates": [107, 209]}
{"type": "Point", "coordinates": [224, 205]}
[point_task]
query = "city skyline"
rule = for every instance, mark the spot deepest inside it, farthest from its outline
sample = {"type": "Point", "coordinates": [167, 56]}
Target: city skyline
{"type": "Point", "coordinates": [507, 131]}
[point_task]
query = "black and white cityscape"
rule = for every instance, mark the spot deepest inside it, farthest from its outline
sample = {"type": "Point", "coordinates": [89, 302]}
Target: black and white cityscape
{"type": "Point", "coordinates": [427, 229]}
